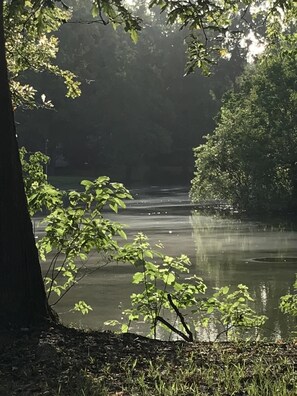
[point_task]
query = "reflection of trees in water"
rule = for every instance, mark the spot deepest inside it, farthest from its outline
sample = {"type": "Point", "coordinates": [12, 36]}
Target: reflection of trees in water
{"type": "Point", "coordinates": [225, 249]}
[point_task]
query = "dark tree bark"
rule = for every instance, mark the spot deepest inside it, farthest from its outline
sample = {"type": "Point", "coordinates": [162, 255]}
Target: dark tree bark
{"type": "Point", "coordinates": [22, 296]}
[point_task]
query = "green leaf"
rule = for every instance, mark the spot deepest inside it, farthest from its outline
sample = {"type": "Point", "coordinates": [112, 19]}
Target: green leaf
{"type": "Point", "coordinates": [124, 328]}
{"type": "Point", "coordinates": [111, 323]}
{"type": "Point", "coordinates": [138, 277]}
{"type": "Point", "coordinates": [86, 183]}
{"type": "Point", "coordinates": [151, 267]}
{"type": "Point", "coordinates": [94, 10]}
{"type": "Point", "coordinates": [122, 233]}
{"type": "Point", "coordinates": [134, 36]}
{"type": "Point", "coordinates": [114, 207]}
{"type": "Point", "coordinates": [170, 278]}
{"type": "Point", "coordinates": [225, 290]}
{"type": "Point", "coordinates": [120, 202]}
{"type": "Point", "coordinates": [149, 254]}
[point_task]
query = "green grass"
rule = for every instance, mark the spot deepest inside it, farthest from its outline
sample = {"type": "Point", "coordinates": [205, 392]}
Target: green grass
{"type": "Point", "coordinates": [190, 374]}
{"type": "Point", "coordinates": [60, 361]}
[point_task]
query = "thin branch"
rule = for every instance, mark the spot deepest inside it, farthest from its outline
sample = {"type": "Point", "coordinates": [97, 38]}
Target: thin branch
{"type": "Point", "coordinates": [50, 266]}
{"type": "Point", "coordinates": [67, 290]}
{"type": "Point", "coordinates": [102, 22]}
{"type": "Point", "coordinates": [224, 331]}
{"type": "Point", "coordinates": [181, 318]}
{"type": "Point", "coordinates": [76, 280]}
{"type": "Point", "coordinates": [180, 333]}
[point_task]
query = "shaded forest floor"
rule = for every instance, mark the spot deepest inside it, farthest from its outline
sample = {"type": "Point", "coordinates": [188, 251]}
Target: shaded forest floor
{"type": "Point", "coordinates": [70, 362]}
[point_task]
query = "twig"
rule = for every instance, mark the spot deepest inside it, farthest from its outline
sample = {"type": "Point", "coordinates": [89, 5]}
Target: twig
{"type": "Point", "coordinates": [88, 22]}
{"type": "Point", "coordinates": [175, 330]}
{"type": "Point", "coordinates": [182, 319]}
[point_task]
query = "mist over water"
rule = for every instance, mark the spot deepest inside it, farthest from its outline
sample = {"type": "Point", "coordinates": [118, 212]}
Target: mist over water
{"type": "Point", "coordinates": [223, 252]}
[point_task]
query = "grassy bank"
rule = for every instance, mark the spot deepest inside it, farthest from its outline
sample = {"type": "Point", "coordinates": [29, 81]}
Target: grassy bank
{"type": "Point", "coordinates": [70, 362]}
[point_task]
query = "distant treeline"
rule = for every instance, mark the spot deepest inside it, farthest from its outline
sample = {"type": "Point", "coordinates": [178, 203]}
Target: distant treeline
{"type": "Point", "coordinates": [138, 117]}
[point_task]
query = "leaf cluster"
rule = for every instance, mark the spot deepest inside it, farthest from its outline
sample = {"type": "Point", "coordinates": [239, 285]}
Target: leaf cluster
{"type": "Point", "coordinates": [175, 302]}
{"type": "Point", "coordinates": [75, 226]}
{"type": "Point", "coordinates": [215, 27]}
{"type": "Point", "coordinates": [288, 303]}
{"type": "Point", "coordinates": [231, 311]}
{"type": "Point", "coordinates": [116, 13]}
{"type": "Point", "coordinates": [41, 195]}
{"type": "Point", "coordinates": [31, 46]}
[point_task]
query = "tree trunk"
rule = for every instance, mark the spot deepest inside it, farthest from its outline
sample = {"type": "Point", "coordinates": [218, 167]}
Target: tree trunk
{"type": "Point", "coordinates": [22, 296]}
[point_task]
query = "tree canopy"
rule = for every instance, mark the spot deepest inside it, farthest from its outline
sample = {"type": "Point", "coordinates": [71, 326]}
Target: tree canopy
{"type": "Point", "coordinates": [140, 116]}
{"type": "Point", "coordinates": [30, 45]}
{"type": "Point", "coordinates": [250, 158]}
{"type": "Point", "coordinates": [212, 27]}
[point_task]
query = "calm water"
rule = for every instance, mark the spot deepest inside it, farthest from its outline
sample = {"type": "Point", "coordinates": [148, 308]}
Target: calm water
{"type": "Point", "coordinates": [223, 252]}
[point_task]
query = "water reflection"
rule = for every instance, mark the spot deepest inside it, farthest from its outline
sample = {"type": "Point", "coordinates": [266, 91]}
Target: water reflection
{"type": "Point", "coordinates": [229, 252]}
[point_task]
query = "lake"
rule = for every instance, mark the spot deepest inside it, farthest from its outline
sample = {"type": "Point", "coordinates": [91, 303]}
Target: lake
{"type": "Point", "coordinates": [260, 254]}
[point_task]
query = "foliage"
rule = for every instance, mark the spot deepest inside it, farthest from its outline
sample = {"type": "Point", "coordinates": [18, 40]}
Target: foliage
{"type": "Point", "coordinates": [31, 46]}
{"type": "Point", "coordinates": [159, 281]}
{"type": "Point", "coordinates": [288, 303]}
{"type": "Point", "coordinates": [231, 311]}
{"type": "Point", "coordinates": [82, 307]}
{"type": "Point", "coordinates": [165, 292]}
{"type": "Point", "coordinates": [75, 226]}
{"type": "Point", "coordinates": [249, 159]}
{"type": "Point", "coordinates": [121, 131]}
{"type": "Point", "coordinates": [116, 13]}
{"type": "Point", "coordinates": [161, 127]}
{"type": "Point", "coordinates": [214, 28]}
{"type": "Point", "coordinates": [41, 195]}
